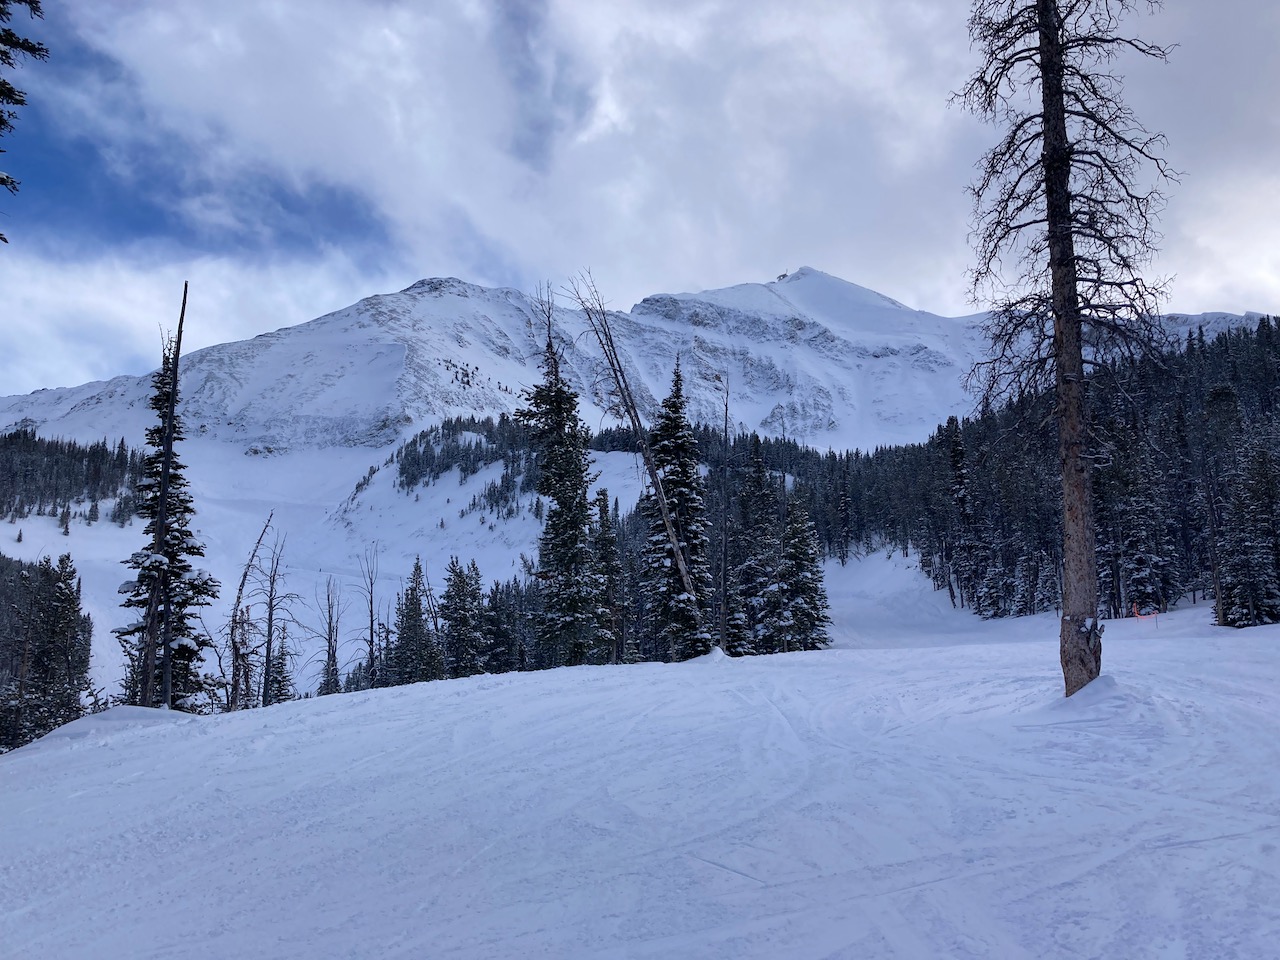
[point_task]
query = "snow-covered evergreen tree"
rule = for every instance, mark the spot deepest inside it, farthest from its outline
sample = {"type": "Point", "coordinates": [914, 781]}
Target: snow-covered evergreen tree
{"type": "Point", "coordinates": [760, 553]}
{"type": "Point", "coordinates": [679, 622]}
{"type": "Point", "coordinates": [1048, 590]}
{"type": "Point", "coordinates": [608, 566]}
{"type": "Point", "coordinates": [803, 617]}
{"type": "Point", "coordinates": [280, 678]}
{"type": "Point", "coordinates": [503, 647]}
{"type": "Point", "coordinates": [462, 612]}
{"type": "Point", "coordinates": [1250, 542]}
{"type": "Point", "coordinates": [44, 661]}
{"type": "Point", "coordinates": [568, 629]}
{"type": "Point", "coordinates": [738, 641]}
{"type": "Point", "coordinates": [416, 653]}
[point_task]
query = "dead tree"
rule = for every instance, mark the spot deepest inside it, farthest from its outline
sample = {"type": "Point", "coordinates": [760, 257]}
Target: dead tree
{"type": "Point", "coordinates": [583, 291]}
{"type": "Point", "coordinates": [331, 608]}
{"type": "Point", "coordinates": [237, 630]}
{"type": "Point", "coordinates": [1062, 196]}
{"type": "Point", "coordinates": [276, 601]}
{"type": "Point", "coordinates": [369, 580]}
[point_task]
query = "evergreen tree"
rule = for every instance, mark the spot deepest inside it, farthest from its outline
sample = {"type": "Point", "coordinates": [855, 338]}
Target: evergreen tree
{"type": "Point", "coordinates": [503, 651]}
{"type": "Point", "coordinates": [569, 627]}
{"type": "Point", "coordinates": [280, 679]}
{"type": "Point", "coordinates": [1048, 591]}
{"type": "Point", "coordinates": [677, 619]}
{"type": "Point", "coordinates": [416, 653]}
{"type": "Point", "coordinates": [44, 653]}
{"type": "Point", "coordinates": [738, 641]}
{"type": "Point", "coordinates": [803, 617]}
{"type": "Point", "coordinates": [462, 611]}
{"type": "Point", "coordinates": [167, 578]}
{"type": "Point", "coordinates": [1250, 546]}
{"type": "Point", "coordinates": [12, 49]}
{"type": "Point", "coordinates": [608, 565]}
{"type": "Point", "coordinates": [760, 556]}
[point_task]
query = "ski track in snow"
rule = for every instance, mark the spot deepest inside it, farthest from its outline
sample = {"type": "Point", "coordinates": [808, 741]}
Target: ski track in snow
{"type": "Point", "coordinates": [933, 797]}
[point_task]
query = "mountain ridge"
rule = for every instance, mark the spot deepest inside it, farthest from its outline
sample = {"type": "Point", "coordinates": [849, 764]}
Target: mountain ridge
{"type": "Point", "coordinates": [810, 357]}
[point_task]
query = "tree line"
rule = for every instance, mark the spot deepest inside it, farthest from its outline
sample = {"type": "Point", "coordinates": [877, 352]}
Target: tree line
{"type": "Point", "coordinates": [44, 649]}
{"type": "Point", "coordinates": [1184, 482]}
{"type": "Point", "coordinates": [65, 479]}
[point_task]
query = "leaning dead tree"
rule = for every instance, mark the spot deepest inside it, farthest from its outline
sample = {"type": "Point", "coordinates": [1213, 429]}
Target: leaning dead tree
{"type": "Point", "coordinates": [1062, 201]}
{"type": "Point", "coordinates": [583, 291]}
{"type": "Point", "coordinates": [237, 640]}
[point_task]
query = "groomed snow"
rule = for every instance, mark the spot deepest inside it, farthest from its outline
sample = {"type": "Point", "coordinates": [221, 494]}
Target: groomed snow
{"type": "Point", "coordinates": [921, 791]}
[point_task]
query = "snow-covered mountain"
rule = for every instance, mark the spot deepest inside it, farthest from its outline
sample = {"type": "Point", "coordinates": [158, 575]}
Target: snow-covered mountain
{"type": "Point", "coordinates": [810, 357]}
{"type": "Point", "coordinates": [301, 421]}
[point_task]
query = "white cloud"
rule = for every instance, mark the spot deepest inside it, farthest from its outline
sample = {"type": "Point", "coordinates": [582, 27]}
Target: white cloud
{"type": "Point", "coordinates": [71, 321]}
{"type": "Point", "coordinates": [666, 144]}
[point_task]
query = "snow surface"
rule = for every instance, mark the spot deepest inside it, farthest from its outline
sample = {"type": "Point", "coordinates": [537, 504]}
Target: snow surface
{"type": "Point", "coordinates": [922, 791]}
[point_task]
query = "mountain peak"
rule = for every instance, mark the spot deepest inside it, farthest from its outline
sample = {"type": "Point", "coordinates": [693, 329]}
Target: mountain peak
{"type": "Point", "coordinates": [830, 287]}
{"type": "Point", "coordinates": [442, 286]}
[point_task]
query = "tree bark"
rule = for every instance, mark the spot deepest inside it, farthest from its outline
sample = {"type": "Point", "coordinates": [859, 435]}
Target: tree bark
{"type": "Point", "coordinates": [1080, 638]}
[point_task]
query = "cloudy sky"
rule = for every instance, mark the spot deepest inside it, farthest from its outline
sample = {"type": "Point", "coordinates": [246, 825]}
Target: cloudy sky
{"type": "Point", "coordinates": [291, 156]}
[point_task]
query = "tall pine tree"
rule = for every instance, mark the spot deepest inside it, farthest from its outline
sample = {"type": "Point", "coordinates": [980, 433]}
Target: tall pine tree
{"type": "Point", "coordinates": [416, 653]}
{"type": "Point", "coordinates": [166, 578]}
{"type": "Point", "coordinates": [803, 617]}
{"type": "Point", "coordinates": [610, 610]}
{"type": "Point", "coordinates": [568, 630]}
{"type": "Point", "coordinates": [759, 556]}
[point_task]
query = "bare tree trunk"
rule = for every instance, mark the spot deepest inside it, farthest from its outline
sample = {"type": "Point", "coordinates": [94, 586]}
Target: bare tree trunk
{"type": "Point", "coordinates": [272, 599]}
{"type": "Point", "coordinates": [588, 298]}
{"type": "Point", "coordinates": [238, 693]}
{"type": "Point", "coordinates": [150, 644]}
{"type": "Point", "coordinates": [369, 575]}
{"type": "Point", "coordinates": [1080, 637]}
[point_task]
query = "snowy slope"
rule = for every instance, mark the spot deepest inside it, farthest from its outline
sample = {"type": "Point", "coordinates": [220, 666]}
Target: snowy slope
{"type": "Point", "coordinates": [915, 797]}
